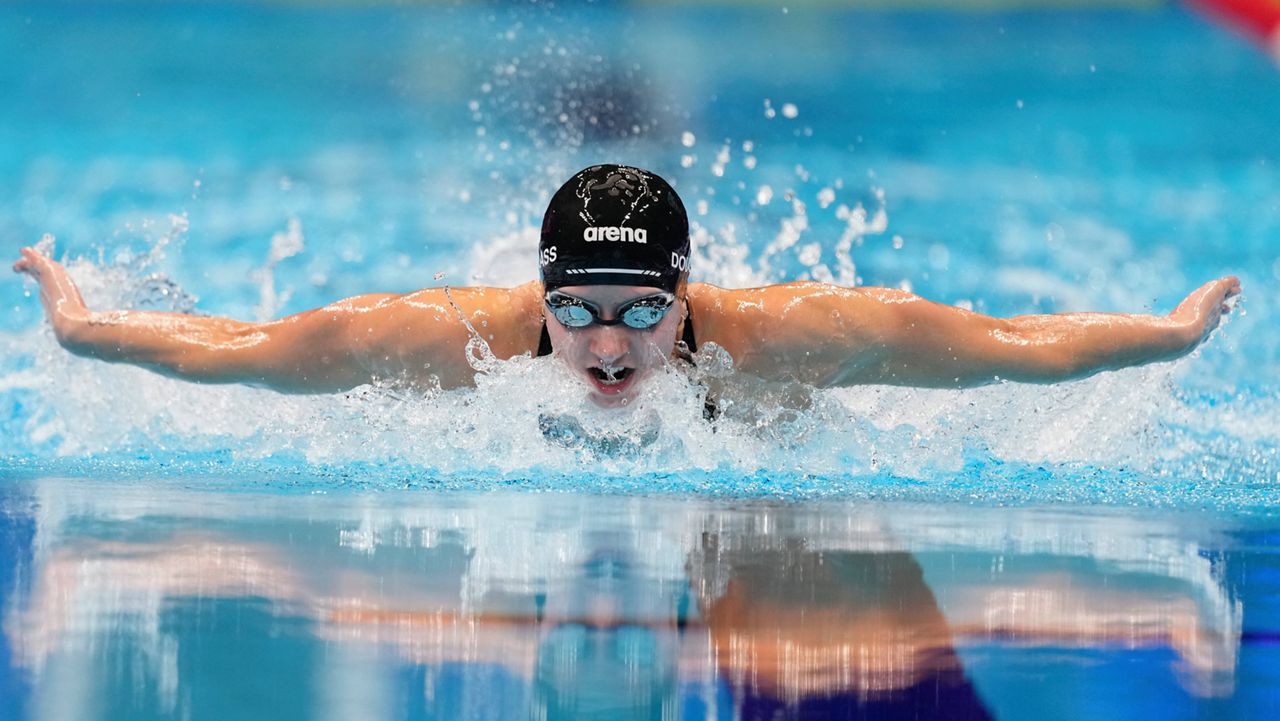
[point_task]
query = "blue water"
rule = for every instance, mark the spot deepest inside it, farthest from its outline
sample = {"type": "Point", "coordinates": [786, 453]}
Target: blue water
{"type": "Point", "coordinates": [1104, 548]}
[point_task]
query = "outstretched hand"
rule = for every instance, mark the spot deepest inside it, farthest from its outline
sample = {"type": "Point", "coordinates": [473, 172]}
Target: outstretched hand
{"type": "Point", "coordinates": [58, 293]}
{"type": "Point", "coordinates": [1202, 310]}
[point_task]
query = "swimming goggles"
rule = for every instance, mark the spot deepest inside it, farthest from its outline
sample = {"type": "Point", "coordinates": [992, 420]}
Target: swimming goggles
{"type": "Point", "coordinates": [642, 313]}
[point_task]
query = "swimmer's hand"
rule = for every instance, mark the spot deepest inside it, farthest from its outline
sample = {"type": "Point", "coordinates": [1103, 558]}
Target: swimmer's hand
{"type": "Point", "coordinates": [1202, 310]}
{"type": "Point", "coordinates": [62, 302]}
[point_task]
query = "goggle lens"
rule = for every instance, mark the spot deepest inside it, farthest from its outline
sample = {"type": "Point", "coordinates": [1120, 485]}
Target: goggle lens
{"type": "Point", "coordinates": [573, 315]}
{"type": "Point", "coordinates": [641, 317]}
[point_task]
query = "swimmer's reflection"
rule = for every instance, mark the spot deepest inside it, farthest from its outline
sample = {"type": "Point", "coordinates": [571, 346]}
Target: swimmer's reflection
{"type": "Point", "coordinates": [608, 652]}
{"type": "Point", "coordinates": [790, 630]}
{"type": "Point", "coordinates": [800, 634]}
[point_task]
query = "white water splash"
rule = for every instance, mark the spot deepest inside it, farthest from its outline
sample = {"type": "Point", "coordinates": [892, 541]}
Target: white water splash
{"type": "Point", "coordinates": [285, 244]}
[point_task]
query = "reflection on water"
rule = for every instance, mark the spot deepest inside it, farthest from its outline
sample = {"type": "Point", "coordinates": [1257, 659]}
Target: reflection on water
{"type": "Point", "coordinates": [145, 602]}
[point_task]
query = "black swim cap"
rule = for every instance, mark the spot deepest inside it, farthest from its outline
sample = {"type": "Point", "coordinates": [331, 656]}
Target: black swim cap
{"type": "Point", "coordinates": [615, 225]}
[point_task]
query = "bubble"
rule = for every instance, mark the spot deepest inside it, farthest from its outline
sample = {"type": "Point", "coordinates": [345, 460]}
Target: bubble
{"type": "Point", "coordinates": [764, 195]}
{"type": "Point", "coordinates": [687, 139]}
{"type": "Point", "coordinates": [789, 110]}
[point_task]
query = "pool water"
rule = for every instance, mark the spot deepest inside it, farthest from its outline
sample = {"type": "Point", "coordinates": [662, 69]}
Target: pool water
{"type": "Point", "coordinates": [1102, 548]}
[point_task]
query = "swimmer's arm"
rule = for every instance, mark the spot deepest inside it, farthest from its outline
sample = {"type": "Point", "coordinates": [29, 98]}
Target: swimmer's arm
{"type": "Point", "coordinates": [310, 352]}
{"type": "Point", "coordinates": [328, 349]}
{"type": "Point", "coordinates": [911, 341]}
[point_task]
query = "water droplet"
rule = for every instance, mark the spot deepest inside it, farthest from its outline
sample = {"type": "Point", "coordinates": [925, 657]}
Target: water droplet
{"type": "Point", "coordinates": [687, 139]}
{"type": "Point", "coordinates": [790, 110]}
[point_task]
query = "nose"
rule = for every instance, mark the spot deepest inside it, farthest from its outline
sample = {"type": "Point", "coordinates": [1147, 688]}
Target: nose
{"type": "Point", "coordinates": [608, 343]}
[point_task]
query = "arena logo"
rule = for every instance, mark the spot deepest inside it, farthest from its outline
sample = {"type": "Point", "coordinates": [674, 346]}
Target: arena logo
{"type": "Point", "coordinates": [623, 235]}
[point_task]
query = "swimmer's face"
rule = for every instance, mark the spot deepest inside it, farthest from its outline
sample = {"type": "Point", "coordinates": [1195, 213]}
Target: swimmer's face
{"type": "Point", "coordinates": [614, 360]}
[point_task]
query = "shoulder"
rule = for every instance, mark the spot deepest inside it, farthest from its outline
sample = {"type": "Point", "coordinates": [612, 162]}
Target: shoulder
{"type": "Point", "coordinates": [427, 331]}
{"type": "Point", "coordinates": [788, 327]}
{"type": "Point", "coordinates": [508, 319]}
{"type": "Point", "coordinates": [801, 301]}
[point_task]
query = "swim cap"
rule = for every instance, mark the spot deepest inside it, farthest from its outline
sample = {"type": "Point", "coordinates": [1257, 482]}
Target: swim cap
{"type": "Point", "coordinates": [615, 225]}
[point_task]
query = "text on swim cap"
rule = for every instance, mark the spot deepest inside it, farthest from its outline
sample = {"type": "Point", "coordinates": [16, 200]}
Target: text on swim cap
{"type": "Point", "coordinates": [626, 235]}
{"type": "Point", "coordinates": [548, 255]}
{"type": "Point", "coordinates": [680, 262]}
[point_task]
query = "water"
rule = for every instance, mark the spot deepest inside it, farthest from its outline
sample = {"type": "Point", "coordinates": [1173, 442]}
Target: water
{"type": "Point", "coordinates": [1099, 548]}
{"type": "Point", "coordinates": [140, 600]}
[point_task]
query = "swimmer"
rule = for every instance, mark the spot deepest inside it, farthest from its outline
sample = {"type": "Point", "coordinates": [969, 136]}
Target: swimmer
{"type": "Point", "coordinates": [615, 305]}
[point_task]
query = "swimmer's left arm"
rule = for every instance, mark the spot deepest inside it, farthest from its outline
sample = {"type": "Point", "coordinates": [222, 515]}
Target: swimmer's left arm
{"type": "Point", "coordinates": [906, 340]}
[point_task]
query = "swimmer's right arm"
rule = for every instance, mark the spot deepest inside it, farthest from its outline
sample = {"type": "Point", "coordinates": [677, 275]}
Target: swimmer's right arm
{"type": "Point", "coordinates": [413, 337]}
{"type": "Point", "coordinates": [300, 354]}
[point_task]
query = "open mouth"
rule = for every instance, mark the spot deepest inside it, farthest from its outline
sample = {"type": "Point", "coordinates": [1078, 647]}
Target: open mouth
{"type": "Point", "coordinates": [610, 375]}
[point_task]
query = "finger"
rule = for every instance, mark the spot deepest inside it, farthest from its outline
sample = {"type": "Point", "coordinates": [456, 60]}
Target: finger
{"type": "Point", "coordinates": [30, 258]}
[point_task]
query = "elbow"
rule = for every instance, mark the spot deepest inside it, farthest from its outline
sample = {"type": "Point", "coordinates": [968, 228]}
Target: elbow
{"type": "Point", "coordinates": [79, 337]}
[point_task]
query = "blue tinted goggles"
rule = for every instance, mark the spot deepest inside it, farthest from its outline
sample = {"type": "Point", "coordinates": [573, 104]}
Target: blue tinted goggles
{"type": "Point", "coordinates": [641, 313]}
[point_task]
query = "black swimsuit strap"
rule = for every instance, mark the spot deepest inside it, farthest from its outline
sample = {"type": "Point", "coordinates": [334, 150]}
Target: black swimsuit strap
{"type": "Point", "coordinates": [688, 338]}
{"type": "Point", "coordinates": [544, 340]}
